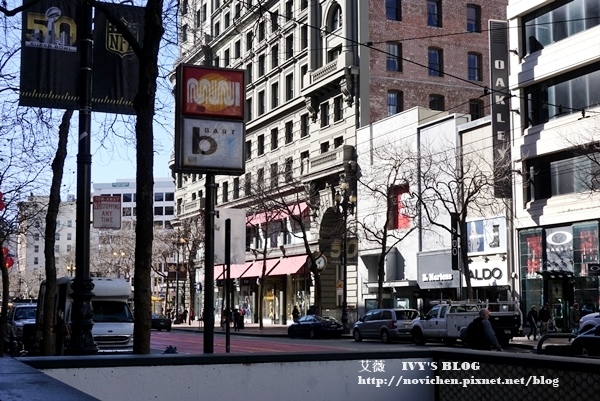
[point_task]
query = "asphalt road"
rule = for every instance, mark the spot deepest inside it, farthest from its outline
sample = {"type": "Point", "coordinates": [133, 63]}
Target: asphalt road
{"type": "Point", "coordinates": [192, 343]}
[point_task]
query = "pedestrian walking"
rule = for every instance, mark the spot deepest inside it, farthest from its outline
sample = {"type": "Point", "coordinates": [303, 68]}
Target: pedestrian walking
{"type": "Point", "coordinates": [575, 317]}
{"type": "Point", "coordinates": [544, 316]}
{"type": "Point", "coordinates": [532, 319]}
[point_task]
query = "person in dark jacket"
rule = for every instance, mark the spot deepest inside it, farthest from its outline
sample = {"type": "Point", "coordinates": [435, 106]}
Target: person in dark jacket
{"type": "Point", "coordinates": [544, 316]}
{"type": "Point", "coordinates": [480, 334]}
{"type": "Point", "coordinates": [532, 319]}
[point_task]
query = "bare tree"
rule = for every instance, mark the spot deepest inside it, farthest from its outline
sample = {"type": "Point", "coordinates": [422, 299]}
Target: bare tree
{"type": "Point", "coordinates": [384, 186]}
{"type": "Point", "coordinates": [193, 230]}
{"type": "Point", "coordinates": [460, 181]}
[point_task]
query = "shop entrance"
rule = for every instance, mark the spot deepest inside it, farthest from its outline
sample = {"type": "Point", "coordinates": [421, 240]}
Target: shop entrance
{"type": "Point", "coordinates": [559, 292]}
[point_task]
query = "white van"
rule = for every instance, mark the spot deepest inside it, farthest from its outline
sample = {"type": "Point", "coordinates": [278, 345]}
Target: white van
{"type": "Point", "coordinates": [113, 320]}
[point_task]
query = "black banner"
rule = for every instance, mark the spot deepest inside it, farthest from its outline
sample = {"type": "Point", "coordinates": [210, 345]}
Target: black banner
{"type": "Point", "coordinates": [50, 58]}
{"type": "Point", "coordinates": [500, 106]}
{"type": "Point", "coordinates": [454, 239]}
{"type": "Point", "coordinates": [116, 67]}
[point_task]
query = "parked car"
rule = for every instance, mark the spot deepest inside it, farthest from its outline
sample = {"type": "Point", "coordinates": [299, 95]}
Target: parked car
{"type": "Point", "coordinates": [20, 320]}
{"type": "Point", "coordinates": [313, 326]}
{"type": "Point", "coordinates": [384, 324]}
{"type": "Point", "coordinates": [589, 321]}
{"type": "Point", "coordinates": [160, 322]}
{"type": "Point", "coordinates": [587, 343]}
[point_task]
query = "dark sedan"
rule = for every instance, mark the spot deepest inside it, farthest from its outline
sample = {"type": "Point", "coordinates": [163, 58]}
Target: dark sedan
{"type": "Point", "coordinates": [160, 322]}
{"type": "Point", "coordinates": [313, 326]}
{"type": "Point", "coordinates": [587, 343]}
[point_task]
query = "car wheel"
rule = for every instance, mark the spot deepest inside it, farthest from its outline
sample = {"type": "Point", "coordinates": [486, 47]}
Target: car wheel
{"type": "Point", "coordinates": [385, 337]}
{"type": "Point", "coordinates": [312, 333]}
{"type": "Point", "coordinates": [418, 337]}
{"type": "Point", "coordinates": [356, 335]}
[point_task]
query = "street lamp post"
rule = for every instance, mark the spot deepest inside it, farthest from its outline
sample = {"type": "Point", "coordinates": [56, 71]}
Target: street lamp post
{"type": "Point", "coordinates": [345, 201]}
{"type": "Point", "coordinates": [70, 269]}
{"type": "Point", "coordinates": [177, 242]}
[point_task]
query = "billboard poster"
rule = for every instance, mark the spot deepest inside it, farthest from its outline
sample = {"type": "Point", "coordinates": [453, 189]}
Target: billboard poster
{"type": "Point", "coordinates": [116, 67]}
{"type": "Point", "coordinates": [486, 236]}
{"type": "Point", "coordinates": [212, 92]}
{"type": "Point", "coordinates": [50, 58]}
{"type": "Point", "coordinates": [209, 124]}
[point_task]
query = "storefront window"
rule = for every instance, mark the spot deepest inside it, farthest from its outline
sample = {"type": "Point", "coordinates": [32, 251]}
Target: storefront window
{"type": "Point", "coordinates": [585, 243]}
{"type": "Point", "coordinates": [530, 251]}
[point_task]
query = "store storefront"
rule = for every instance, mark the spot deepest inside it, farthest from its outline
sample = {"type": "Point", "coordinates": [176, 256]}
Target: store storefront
{"type": "Point", "coordinates": [560, 265]}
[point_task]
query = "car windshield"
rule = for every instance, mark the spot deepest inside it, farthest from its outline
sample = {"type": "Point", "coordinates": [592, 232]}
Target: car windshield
{"type": "Point", "coordinates": [25, 313]}
{"type": "Point", "coordinates": [406, 314]}
{"type": "Point", "coordinates": [157, 316]}
{"type": "Point", "coordinates": [111, 311]}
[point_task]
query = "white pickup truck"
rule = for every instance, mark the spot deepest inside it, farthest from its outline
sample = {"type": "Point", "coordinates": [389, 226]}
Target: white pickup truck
{"type": "Point", "coordinates": [446, 320]}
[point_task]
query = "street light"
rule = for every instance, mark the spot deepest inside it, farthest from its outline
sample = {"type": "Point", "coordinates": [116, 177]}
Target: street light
{"type": "Point", "coordinates": [345, 202]}
{"type": "Point", "coordinates": [71, 269]}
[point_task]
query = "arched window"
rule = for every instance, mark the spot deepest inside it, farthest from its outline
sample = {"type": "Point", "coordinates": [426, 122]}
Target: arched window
{"type": "Point", "coordinates": [335, 17]}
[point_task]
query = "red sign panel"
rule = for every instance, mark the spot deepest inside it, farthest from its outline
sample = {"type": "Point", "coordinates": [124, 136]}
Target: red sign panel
{"type": "Point", "coordinates": [212, 92]}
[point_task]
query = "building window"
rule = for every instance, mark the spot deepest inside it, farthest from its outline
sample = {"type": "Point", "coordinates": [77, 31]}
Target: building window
{"type": "Point", "coordinates": [565, 94]}
{"type": "Point", "coordinates": [274, 138]}
{"type": "Point", "coordinates": [338, 108]}
{"type": "Point", "coordinates": [334, 53]}
{"type": "Point", "coordinates": [226, 58]}
{"type": "Point", "coordinates": [436, 102]}
{"type": "Point", "coordinates": [303, 37]}
{"type": "Point", "coordinates": [289, 132]}
{"type": "Point", "coordinates": [236, 188]}
{"type": "Point", "coordinates": [324, 147]}
{"type": "Point", "coordinates": [248, 185]}
{"type": "Point", "coordinates": [274, 56]}
{"type": "Point", "coordinates": [36, 237]}
{"type": "Point", "coordinates": [198, 19]}
{"type": "Point", "coordinates": [289, 10]}
{"type": "Point", "coordinates": [338, 142]}
{"type": "Point", "coordinates": [289, 47]}
{"type": "Point", "coordinates": [261, 65]}
{"type": "Point", "coordinates": [204, 13]}
{"type": "Point", "coordinates": [274, 175]}
{"type": "Point", "coordinates": [476, 108]}
{"type": "Point", "coordinates": [289, 87]}
{"type": "Point", "coordinates": [261, 103]}
{"type": "Point", "coordinates": [127, 197]}
{"type": "Point", "coordinates": [159, 197]}
{"type": "Point", "coordinates": [217, 29]}
{"type": "Point", "coordinates": [335, 21]}
{"type": "Point", "coordinates": [561, 173]}
{"type": "Point", "coordinates": [289, 169]}
{"type": "Point", "coordinates": [237, 49]}
{"type": "Point", "coordinates": [557, 21]}
{"type": "Point", "coordinates": [473, 18]}
{"type": "Point", "coordinates": [393, 10]}
{"type": "Point", "coordinates": [274, 21]}
{"type": "Point", "coordinates": [274, 95]}
{"type": "Point", "coordinates": [395, 102]}
{"type": "Point", "coordinates": [474, 62]}
{"type": "Point", "coordinates": [184, 33]}
{"type": "Point", "coordinates": [69, 248]}
{"type": "Point", "coordinates": [324, 114]}
{"type": "Point", "coordinates": [158, 211]}
{"type": "Point", "coordinates": [69, 236]}
{"type": "Point", "coordinates": [36, 249]}
{"type": "Point", "coordinates": [249, 109]}
{"type": "Point", "coordinates": [249, 74]}
{"type": "Point", "coordinates": [249, 38]}
{"type": "Point", "coordinates": [394, 57]}
{"type": "Point", "coordinates": [184, 7]}
{"type": "Point", "coordinates": [36, 261]}
{"type": "Point", "coordinates": [238, 11]}
{"type": "Point", "coordinates": [169, 211]}
{"type": "Point", "coordinates": [261, 31]}
{"type": "Point", "coordinates": [225, 189]}
{"type": "Point", "coordinates": [227, 20]}
{"type": "Point", "coordinates": [248, 150]}
{"type": "Point", "coordinates": [304, 162]}
{"type": "Point", "coordinates": [434, 13]}
{"type": "Point", "coordinates": [435, 62]}
{"type": "Point", "coordinates": [216, 61]}
{"type": "Point", "coordinates": [260, 175]}
{"type": "Point", "coordinates": [303, 72]}
{"type": "Point", "coordinates": [261, 145]}
{"type": "Point", "coordinates": [303, 125]}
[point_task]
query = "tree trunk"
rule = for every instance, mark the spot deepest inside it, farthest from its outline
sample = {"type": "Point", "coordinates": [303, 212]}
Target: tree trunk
{"type": "Point", "coordinates": [5, 290]}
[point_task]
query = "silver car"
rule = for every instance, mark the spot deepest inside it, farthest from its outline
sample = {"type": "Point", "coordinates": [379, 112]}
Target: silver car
{"type": "Point", "coordinates": [384, 324]}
